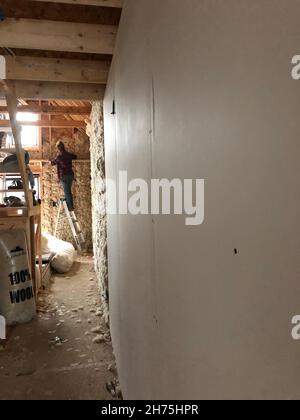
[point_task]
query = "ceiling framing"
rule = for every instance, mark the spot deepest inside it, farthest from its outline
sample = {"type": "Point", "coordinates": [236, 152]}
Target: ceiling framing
{"type": "Point", "coordinates": [59, 52]}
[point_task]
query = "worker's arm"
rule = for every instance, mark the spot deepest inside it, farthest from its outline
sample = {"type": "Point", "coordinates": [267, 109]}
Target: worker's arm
{"type": "Point", "coordinates": [54, 162]}
{"type": "Point", "coordinates": [73, 157]}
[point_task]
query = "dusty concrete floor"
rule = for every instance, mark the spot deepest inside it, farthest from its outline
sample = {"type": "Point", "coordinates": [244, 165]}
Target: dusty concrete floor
{"type": "Point", "coordinates": [34, 366]}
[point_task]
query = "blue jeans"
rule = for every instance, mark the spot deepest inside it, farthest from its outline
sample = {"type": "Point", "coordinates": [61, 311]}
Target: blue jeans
{"type": "Point", "coordinates": [66, 182]}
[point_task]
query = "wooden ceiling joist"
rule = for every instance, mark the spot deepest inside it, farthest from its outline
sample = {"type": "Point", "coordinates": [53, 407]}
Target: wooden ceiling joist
{"type": "Point", "coordinates": [51, 110]}
{"type": "Point", "coordinates": [59, 123]}
{"type": "Point", "coordinates": [57, 90]}
{"type": "Point", "coordinates": [57, 36]}
{"type": "Point", "coordinates": [56, 70]}
{"type": "Point", "coordinates": [101, 3]}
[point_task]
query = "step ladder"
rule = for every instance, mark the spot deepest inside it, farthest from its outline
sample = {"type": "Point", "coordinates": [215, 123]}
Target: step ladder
{"type": "Point", "coordinates": [73, 222]}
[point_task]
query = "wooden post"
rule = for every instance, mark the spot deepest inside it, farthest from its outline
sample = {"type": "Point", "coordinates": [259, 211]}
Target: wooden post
{"type": "Point", "coordinates": [33, 254]}
{"type": "Point", "coordinates": [38, 238]}
{"type": "Point", "coordinates": [12, 104]}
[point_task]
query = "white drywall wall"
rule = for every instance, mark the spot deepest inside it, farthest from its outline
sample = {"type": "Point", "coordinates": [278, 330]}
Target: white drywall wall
{"type": "Point", "coordinates": [203, 90]}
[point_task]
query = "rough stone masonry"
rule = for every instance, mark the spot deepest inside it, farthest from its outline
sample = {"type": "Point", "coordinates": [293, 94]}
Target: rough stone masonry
{"type": "Point", "coordinates": [99, 198]}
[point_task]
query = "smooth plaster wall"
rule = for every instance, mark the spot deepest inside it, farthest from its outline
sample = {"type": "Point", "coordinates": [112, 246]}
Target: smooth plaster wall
{"type": "Point", "coordinates": [203, 90]}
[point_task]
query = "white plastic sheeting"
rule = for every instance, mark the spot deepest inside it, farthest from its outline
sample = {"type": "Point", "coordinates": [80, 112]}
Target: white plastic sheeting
{"type": "Point", "coordinates": [17, 302]}
{"type": "Point", "coordinates": [65, 253]}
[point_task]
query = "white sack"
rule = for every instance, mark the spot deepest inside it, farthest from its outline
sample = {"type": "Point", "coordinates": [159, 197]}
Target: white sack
{"type": "Point", "coordinates": [17, 300]}
{"type": "Point", "coordinates": [65, 253]}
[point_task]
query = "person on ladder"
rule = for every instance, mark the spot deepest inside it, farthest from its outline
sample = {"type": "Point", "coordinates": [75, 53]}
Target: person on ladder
{"type": "Point", "coordinates": [65, 172]}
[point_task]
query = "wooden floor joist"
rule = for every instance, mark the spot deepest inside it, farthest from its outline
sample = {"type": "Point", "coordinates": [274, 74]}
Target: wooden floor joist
{"type": "Point", "coordinates": [102, 3]}
{"type": "Point", "coordinates": [57, 90]}
{"type": "Point", "coordinates": [50, 110]}
{"type": "Point", "coordinates": [12, 103]}
{"type": "Point", "coordinates": [56, 123]}
{"type": "Point", "coordinates": [57, 36]}
{"type": "Point", "coordinates": [56, 70]}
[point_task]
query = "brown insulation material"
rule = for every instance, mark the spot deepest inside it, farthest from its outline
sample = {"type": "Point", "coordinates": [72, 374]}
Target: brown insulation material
{"type": "Point", "coordinates": [99, 199]}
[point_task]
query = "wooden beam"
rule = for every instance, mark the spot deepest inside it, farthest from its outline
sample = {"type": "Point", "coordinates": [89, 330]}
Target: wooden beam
{"type": "Point", "coordinates": [57, 36]}
{"type": "Point", "coordinates": [59, 123]}
{"type": "Point", "coordinates": [56, 70]}
{"type": "Point", "coordinates": [51, 110]}
{"type": "Point", "coordinates": [56, 90]}
{"type": "Point", "coordinates": [12, 103]}
{"type": "Point", "coordinates": [102, 3]}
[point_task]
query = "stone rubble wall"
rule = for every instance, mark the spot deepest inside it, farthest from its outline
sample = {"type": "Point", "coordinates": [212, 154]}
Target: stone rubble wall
{"type": "Point", "coordinates": [99, 198]}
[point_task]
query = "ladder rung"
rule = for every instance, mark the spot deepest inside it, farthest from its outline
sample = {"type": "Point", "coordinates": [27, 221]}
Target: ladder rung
{"type": "Point", "coordinates": [80, 240]}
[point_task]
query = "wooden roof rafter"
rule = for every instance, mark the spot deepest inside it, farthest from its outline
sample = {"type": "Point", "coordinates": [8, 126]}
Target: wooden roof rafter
{"type": "Point", "coordinates": [51, 109]}
{"type": "Point", "coordinates": [57, 36]}
{"type": "Point", "coordinates": [80, 37]}
{"type": "Point", "coordinates": [99, 3]}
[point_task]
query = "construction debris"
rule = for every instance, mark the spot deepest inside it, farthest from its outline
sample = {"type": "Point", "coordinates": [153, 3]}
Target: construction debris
{"type": "Point", "coordinates": [113, 387]}
{"type": "Point", "coordinates": [112, 368]}
{"type": "Point", "coordinates": [60, 315]}
{"type": "Point", "coordinates": [97, 330]}
{"type": "Point", "coordinates": [57, 342]}
{"type": "Point", "coordinates": [99, 339]}
{"type": "Point", "coordinates": [99, 312]}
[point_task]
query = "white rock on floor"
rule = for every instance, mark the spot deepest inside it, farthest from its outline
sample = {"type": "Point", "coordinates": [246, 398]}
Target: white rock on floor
{"type": "Point", "coordinates": [97, 330]}
{"type": "Point", "coordinates": [99, 339]}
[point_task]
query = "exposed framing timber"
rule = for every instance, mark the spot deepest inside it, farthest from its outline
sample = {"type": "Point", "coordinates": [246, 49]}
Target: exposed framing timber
{"type": "Point", "coordinates": [56, 90]}
{"type": "Point", "coordinates": [12, 102]}
{"type": "Point", "coordinates": [50, 110]}
{"type": "Point", "coordinates": [56, 70]}
{"type": "Point", "coordinates": [57, 36]}
{"type": "Point", "coordinates": [56, 123]}
{"type": "Point", "coordinates": [102, 3]}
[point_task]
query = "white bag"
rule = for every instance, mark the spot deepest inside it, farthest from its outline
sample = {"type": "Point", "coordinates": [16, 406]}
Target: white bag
{"type": "Point", "coordinates": [17, 301]}
{"type": "Point", "coordinates": [65, 253]}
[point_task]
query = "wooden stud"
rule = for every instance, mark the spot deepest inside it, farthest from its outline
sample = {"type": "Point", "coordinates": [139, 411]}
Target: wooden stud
{"type": "Point", "coordinates": [55, 123]}
{"type": "Point", "coordinates": [101, 3]}
{"type": "Point", "coordinates": [33, 253]}
{"type": "Point", "coordinates": [57, 90]}
{"type": "Point", "coordinates": [56, 70]}
{"type": "Point", "coordinates": [38, 34]}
